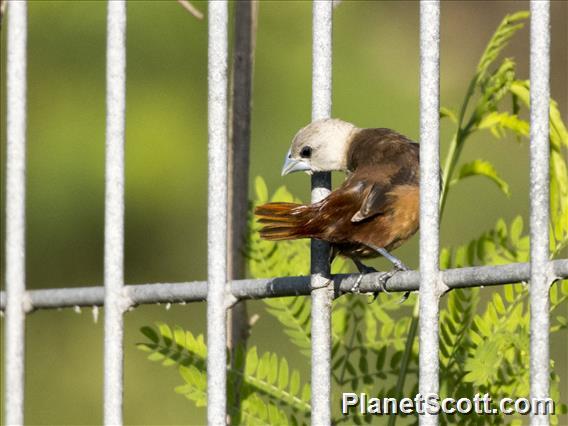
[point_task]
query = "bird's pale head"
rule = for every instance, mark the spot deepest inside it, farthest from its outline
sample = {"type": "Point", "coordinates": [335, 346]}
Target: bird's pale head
{"type": "Point", "coordinates": [321, 146]}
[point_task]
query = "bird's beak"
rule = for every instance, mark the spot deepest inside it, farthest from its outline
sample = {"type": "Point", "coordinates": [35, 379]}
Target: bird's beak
{"type": "Point", "coordinates": [291, 165]}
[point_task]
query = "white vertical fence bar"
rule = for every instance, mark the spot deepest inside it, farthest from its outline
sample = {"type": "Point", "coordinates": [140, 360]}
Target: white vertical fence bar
{"type": "Point", "coordinates": [322, 293]}
{"type": "Point", "coordinates": [429, 199]}
{"type": "Point", "coordinates": [540, 270]}
{"type": "Point", "coordinates": [15, 215]}
{"type": "Point", "coordinates": [115, 302]}
{"type": "Point", "coordinates": [217, 214]}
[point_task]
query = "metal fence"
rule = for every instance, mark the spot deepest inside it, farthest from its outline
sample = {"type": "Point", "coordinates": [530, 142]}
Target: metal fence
{"type": "Point", "coordinates": [221, 293]}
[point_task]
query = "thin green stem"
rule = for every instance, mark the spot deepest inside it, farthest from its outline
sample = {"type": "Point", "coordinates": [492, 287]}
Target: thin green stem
{"type": "Point", "coordinates": [468, 95]}
{"type": "Point", "coordinates": [454, 153]}
{"type": "Point", "coordinates": [456, 145]}
{"type": "Point", "coordinates": [405, 361]}
{"type": "Point", "coordinates": [449, 165]}
{"type": "Point", "coordinates": [348, 352]}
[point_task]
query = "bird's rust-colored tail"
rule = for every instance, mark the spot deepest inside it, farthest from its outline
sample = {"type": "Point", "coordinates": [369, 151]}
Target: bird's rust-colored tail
{"type": "Point", "coordinates": [283, 221]}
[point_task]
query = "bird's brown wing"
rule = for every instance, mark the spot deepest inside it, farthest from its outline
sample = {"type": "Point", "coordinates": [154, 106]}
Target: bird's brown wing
{"type": "Point", "coordinates": [373, 202]}
{"type": "Point", "coordinates": [371, 186]}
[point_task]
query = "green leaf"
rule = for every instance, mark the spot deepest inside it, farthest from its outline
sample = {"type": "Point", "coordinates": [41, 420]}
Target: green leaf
{"type": "Point", "coordinates": [499, 121]}
{"type": "Point", "coordinates": [448, 113]}
{"type": "Point", "coordinates": [507, 29]}
{"type": "Point", "coordinates": [494, 88]}
{"type": "Point", "coordinates": [263, 366]}
{"type": "Point", "coordinates": [166, 333]}
{"type": "Point", "coordinates": [283, 374]}
{"type": "Point", "coordinates": [395, 360]}
{"type": "Point", "coordinates": [179, 337]}
{"type": "Point", "coordinates": [191, 375]}
{"type": "Point", "coordinates": [482, 168]}
{"type": "Point", "coordinates": [261, 189]}
{"type": "Point", "coordinates": [273, 369]}
{"type": "Point", "coordinates": [516, 230]}
{"type": "Point", "coordinates": [282, 194]}
{"type": "Point", "coordinates": [445, 258]}
{"type": "Point", "coordinates": [498, 302]}
{"type": "Point", "coordinates": [509, 293]}
{"type": "Point", "coordinates": [483, 368]}
{"type": "Point", "coordinates": [363, 364]}
{"type": "Point", "coordinates": [558, 133]}
{"type": "Point", "coordinates": [156, 356]}
{"type": "Point", "coordinates": [381, 357]}
{"type": "Point", "coordinates": [295, 382]}
{"type": "Point", "coordinates": [146, 348]}
{"type": "Point", "coordinates": [150, 333]}
{"type": "Point", "coordinates": [370, 327]}
{"type": "Point", "coordinates": [251, 362]}
{"type": "Point", "coordinates": [306, 393]}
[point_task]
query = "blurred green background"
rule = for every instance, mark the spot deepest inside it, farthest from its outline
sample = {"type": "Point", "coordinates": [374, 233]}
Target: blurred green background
{"type": "Point", "coordinates": [376, 78]}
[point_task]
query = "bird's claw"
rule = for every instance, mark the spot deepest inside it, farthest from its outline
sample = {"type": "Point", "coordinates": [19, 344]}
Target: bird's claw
{"type": "Point", "coordinates": [399, 266]}
{"type": "Point", "coordinates": [404, 297]}
{"type": "Point", "coordinates": [387, 276]}
{"type": "Point", "coordinates": [383, 278]}
{"type": "Point", "coordinates": [383, 281]}
{"type": "Point", "coordinates": [355, 288]}
{"type": "Point", "coordinates": [363, 269]}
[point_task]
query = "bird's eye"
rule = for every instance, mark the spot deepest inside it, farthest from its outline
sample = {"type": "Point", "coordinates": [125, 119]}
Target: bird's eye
{"type": "Point", "coordinates": [306, 152]}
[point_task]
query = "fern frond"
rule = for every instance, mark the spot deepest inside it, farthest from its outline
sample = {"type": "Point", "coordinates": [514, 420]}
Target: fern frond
{"type": "Point", "coordinates": [497, 122]}
{"type": "Point", "coordinates": [294, 315]}
{"type": "Point", "coordinates": [267, 376]}
{"type": "Point", "coordinates": [505, 31]}
{"type": "Point", "coordinates": [484, 168]}
{"type": "Point", "coordinates": [282, 259]}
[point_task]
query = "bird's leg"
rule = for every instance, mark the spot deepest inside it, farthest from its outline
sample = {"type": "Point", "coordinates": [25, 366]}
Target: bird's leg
{"type": "Point", "coordinates": [398, 266]}
{"type": "Point", "coordinates": [363, 269]}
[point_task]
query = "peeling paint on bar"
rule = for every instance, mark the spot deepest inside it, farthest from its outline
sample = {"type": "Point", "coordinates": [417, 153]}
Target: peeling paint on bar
{"type": "Point", "coordinates": [115, 303]}
{"type": "Point", "coordinates": [196, 291]}
{"type": "Point", "coordinates": [217, 214]}
{"type": "Point", "coordinates": [322, 291]}
{"type": "Point", "coordinates": [540, 273]}
{"type": "Point", "coordinates": [14, 325]}
{"type": "Point", "coordinates": [430, 284]}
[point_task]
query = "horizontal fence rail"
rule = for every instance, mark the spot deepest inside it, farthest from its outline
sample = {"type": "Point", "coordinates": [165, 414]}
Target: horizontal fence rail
{"type": "Point", "coordinates": [196, 291]}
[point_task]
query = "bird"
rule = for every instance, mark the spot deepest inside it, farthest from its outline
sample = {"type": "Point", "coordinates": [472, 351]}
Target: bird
{"type": "Point", "coordinates": [376, 208]}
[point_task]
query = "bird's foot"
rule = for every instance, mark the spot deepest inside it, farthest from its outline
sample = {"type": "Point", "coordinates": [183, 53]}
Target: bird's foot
{"type": "Point", "coordinates": [355, 288]}
{"type": "Point", "coordinates": [363, 269]}
{"type": "Point", "coordinates": [383, 284]}
{"type": "Point", "coordinates": [399, 266]}
{"type": "Point", "coordinates": [383, 281]}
